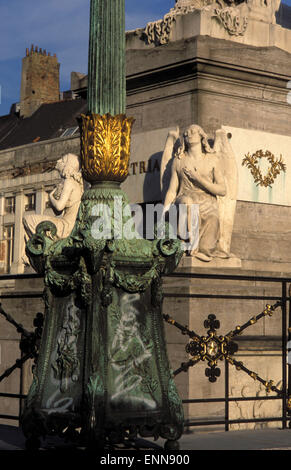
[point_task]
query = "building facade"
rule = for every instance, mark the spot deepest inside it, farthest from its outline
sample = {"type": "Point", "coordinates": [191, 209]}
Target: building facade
{"type": "Point", "coordinates": [39, 129]}
{"type": "Point", "coordinates": [215, 64]}
{"type": "Point", "coordinates": [186, 68]}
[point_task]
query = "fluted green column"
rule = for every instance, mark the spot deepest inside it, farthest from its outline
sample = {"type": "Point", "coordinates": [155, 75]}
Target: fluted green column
{"type": "Point", "coordinates": [106, 74]}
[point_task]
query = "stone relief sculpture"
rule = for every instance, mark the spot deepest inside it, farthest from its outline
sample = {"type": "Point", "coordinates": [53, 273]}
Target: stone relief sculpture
{"type": "Point", "coordinates": [233, 15]}
{"type": "Point", "coordinates": [158, 32]}
{"type": "Point", "coordinates": [244, 410]}
{"type": "Point", "coordinates": [208, 177]}
{"type": "Point", "coordinates": [67, 364]}
{"type": "Point", "coordinates": [65, 199]}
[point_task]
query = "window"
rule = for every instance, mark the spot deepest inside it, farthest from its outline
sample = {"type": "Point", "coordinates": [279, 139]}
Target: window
{"type": "Point", "coordinates": [70, 131]}
{"type": "Point", "coordinates": [9, 205]}
{"type": "Point", "coordinates": [30, 202]}
{"type": "Point", "coordinates": [8, 235]}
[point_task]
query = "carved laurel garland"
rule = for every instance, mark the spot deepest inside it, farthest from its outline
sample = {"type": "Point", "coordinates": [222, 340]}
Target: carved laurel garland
{"type": "Point", "coordinates": [252, 161]}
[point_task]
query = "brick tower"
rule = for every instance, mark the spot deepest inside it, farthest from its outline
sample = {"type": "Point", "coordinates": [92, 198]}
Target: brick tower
{"type": "Point", "coordinates": [40, 80]}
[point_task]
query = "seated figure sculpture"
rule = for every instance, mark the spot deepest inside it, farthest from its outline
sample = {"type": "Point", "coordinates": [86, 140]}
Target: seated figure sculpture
{"type": "Point", "coordinates": [206, 177]}
{"type": "Point", "coordinates": [65, 199]}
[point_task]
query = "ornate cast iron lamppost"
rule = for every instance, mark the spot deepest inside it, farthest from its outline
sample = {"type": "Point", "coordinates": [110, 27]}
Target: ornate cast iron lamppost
{"type": "Point", "coordinates": [105, 130]}
{"type": "Point", "coordinates": [102, 375]}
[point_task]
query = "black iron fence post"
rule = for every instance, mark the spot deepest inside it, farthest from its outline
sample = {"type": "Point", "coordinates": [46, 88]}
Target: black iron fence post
{"type": "Point", "coordinates": [289, 355]}
{"type": "Point", "coordinates": [284, 354]}
{"type": "Point", "coordinates": [226, 395]}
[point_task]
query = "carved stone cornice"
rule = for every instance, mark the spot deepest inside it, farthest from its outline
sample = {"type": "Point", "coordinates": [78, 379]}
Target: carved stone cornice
{"type": "Point", "coordinates": [27, 169]}
{"type": "Point", "coordinates": [232, 15]}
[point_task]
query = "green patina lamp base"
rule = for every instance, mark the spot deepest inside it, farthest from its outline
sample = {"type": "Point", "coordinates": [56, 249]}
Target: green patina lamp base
{"type": "Point", "coordinates": [103, 374]}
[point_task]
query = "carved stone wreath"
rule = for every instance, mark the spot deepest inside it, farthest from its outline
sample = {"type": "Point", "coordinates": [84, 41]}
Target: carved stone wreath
{"type": "Point", "coordinates": [276, 166]}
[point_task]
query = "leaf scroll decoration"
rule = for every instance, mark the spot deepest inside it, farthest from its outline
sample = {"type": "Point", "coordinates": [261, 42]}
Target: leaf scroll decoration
{"type": "Point", "coordinates": [275, 168]}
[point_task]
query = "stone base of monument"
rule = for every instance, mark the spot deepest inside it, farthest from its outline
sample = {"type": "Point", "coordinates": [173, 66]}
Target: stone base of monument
{"type": "Point", "coordinates": [235, 266]}
{"type": "Point", "coordinates": [193, 262]}
{"type": "Point", "coordinates": [190, 301]}
{"type": "Point", "coordinates": [260, 31]}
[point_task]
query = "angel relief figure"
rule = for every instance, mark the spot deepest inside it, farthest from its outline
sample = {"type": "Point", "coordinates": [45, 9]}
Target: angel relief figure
{"type": "Point", "coordinates": [65, 200]}
{"type": "Point", "coordinates": [206, 178]}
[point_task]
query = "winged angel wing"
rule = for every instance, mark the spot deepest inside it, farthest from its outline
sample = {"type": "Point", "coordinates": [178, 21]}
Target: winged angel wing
{"type": "Point", "coordinates": [227, 203]}
{"type": "Point", "coordinates": [168, 156]}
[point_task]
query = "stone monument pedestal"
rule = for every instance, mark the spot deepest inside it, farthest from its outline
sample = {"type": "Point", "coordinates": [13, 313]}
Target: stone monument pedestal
{"type": "Point", "coordinates": [189, 262]}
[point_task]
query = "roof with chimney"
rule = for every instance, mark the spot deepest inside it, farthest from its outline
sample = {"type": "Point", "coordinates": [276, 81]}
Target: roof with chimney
{"type": "Point", "coordinates": [53, 119]}
{"type": "Point", "coordinates": [43, 112]}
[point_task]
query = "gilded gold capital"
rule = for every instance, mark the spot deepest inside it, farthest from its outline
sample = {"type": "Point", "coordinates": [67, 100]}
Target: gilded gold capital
{"type": "Point", "coordinates": [105, 146]}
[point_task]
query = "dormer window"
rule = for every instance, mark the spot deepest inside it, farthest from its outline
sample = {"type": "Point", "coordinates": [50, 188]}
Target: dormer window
{"type": "Point", "coordinates": [70, 131]}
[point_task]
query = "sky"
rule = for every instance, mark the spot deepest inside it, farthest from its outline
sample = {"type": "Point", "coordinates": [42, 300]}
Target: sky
{"type": "Point", "coordinates": [61, 27]}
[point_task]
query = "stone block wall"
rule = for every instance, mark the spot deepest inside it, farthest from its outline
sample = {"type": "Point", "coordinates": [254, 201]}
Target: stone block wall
{"type": "Point", "coordinates": [23, 311]}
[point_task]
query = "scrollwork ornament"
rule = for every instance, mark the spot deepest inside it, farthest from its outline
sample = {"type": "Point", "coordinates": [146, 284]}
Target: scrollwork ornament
{"type": "Point", "coordinates": [158, 32]}
{"type": "Point", "coordinates": [133, 283]}
{"type": "Point", "coordinates": [66, 366]}
{"type": "Point", "coordinates": [169, 247]}
{"type": "Point", "coordinates": [39, 244]}
{"type": "Point", "coordinates": [234, 23]}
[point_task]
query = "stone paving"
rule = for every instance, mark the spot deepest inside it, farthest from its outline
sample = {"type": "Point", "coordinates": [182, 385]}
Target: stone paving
{"type": "Point", "coordinates": [11, 438]}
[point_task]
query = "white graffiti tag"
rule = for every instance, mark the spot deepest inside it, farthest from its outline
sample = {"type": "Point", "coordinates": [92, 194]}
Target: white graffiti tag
{"type": "Point", "coordinates": [129, 353]}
